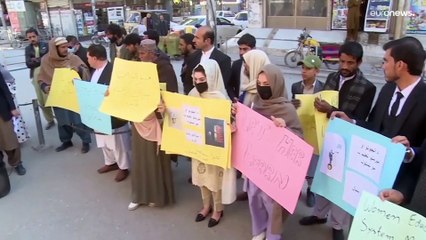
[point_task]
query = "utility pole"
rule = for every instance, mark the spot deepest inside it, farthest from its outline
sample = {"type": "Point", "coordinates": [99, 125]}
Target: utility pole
{"type": "Point", "coordinates": [95, 17]}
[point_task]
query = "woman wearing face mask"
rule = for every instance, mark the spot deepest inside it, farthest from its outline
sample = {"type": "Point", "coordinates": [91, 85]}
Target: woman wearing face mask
{"type": "Point", "coordinates": [215, 183]}
{"type": "Point", "coordinates": [272, 102]}
{"type": "Point", "coordinates": [253, 61]}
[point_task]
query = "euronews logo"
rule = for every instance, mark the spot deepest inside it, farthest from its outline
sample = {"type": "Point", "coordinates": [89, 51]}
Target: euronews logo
{"type": "Point", "coordinates": [392, 14]}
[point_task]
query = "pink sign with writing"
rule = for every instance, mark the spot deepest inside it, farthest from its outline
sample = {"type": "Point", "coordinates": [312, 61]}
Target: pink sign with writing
{"type": "Point", "coordinates": [273, 158]}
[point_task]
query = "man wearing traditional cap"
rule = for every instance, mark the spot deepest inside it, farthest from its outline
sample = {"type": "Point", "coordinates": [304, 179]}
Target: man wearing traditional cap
{"type": "Point", "coordinates": [68, 121]}
{"type": "Point", "coordinates": [309, 85]}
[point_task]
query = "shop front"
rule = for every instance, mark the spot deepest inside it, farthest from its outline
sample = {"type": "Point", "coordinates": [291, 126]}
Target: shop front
{"type": "Point", "coordinates": [297, 14]}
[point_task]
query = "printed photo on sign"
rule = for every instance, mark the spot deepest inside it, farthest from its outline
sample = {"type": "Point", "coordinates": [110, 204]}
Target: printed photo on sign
{"type": "Point", "coordinates": [333, 156]}
{"type": "Point", "coordinates": [175, 119]}
{"type": "Point", "coordinates": [215, 132]}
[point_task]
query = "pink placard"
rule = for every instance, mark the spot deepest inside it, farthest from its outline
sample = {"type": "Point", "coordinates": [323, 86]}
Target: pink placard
{"type": "Point", "coordinates": [275, 159]}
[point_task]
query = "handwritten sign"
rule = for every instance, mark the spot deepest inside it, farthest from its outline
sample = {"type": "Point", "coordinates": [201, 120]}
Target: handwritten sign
{"type": "Point", "coordinates": [367, 157]}
{"type": "Point", "coordinates": [321, 119]}
{"type": "Point", "coordinates": [376, 220]}
{"type": "Point", "coordinates": [192, 115]}
{"type": "Point", "coordinates": [134, 92]}
{"type": "Point", "coordinates": [62, 92]}
{"type": "Point", "coordinates": [198, 128]}
{"type": "Point", "coordinates": [346, 169]}
{"type": "Point", "coordinates": [90, 97]}
{"type": "Point", "coordinates": [275, 159]}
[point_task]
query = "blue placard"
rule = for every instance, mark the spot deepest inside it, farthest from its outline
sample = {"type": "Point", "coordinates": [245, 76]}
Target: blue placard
{"type": "Point", "coordinates": [354, 160]}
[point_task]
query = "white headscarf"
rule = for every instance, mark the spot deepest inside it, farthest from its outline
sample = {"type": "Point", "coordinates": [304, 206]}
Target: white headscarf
{"type": "Point", "coordinates": [255, 59]}
{"type": "Point", "coordinates": [216, 87]}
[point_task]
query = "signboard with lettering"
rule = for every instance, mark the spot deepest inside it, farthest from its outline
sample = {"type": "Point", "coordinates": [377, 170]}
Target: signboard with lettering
{"type": "Point", "coordinates": [378, 15]}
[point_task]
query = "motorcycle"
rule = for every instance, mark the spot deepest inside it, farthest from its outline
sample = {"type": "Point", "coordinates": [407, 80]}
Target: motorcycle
{"type": "Point", "coordinates": [328, 52]}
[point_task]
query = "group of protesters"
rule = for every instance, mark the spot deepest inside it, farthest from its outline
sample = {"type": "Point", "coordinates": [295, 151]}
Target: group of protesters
{"type": "Point", "coordinates": [134, 147]}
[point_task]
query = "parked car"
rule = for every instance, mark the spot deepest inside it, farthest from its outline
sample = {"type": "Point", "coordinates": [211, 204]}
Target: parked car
{"type": "Point", "coordinates": [226, 14]}
{"type": "Point", "coordinates": [241, 19]}
{"type": "Point", "coordinates": [225, 28]}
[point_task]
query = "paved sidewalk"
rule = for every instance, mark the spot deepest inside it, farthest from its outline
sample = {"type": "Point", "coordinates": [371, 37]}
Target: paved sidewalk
{"type": "Point", "coordinates": [63, 197]}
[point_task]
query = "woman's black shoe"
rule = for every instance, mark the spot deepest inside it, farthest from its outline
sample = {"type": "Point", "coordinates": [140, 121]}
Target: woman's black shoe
{"type": "Point", "coordinates": [213, 222]}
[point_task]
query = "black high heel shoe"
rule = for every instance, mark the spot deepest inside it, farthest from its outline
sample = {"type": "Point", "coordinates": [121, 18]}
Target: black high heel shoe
{"type": "Point", "coordinates": [213, 222]}
{"type": "Point", "coordinates": [200, 217]}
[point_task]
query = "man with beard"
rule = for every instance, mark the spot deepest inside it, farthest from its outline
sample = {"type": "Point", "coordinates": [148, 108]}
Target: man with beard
{"type": "Point", "coordinates": [356, 95]}
{"type": "Point", "coordinates": [187, 48]}
{"type": "Point", "coordinates": [68, 121]}
{"type": "Point", "coordinates": [399, 114]}
{"type": "Point", "coordinates": [131, 42]}
{"type": "Point", "coordinates": [246, 43]}
{"type": "Point", "coordinates": [116, 38]}
{"type": "Point", "coordinates": [33, 54]}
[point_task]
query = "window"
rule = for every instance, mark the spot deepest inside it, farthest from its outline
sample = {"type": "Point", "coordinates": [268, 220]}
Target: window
{"type": "Point", "coordinates": [223, 21]}
{"type": "Point", "coordinates": [281, 7]}
{"type": "Point", "coordinates": [242, 17]}
{"type": "Point", "coordinates": [312, 8]}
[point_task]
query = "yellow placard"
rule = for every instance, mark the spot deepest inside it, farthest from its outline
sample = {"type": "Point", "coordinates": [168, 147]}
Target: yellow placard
{"type": "Point", "coordinates": [321, 120]}
{"type": "Point", "coordinates": [133, 92]}
{"type": "Point", "coordinates": [198, 128]}
{"type": "Point", "coordinates": [62, 91]}
{"type": "Point", "coordinates": [306, 113]}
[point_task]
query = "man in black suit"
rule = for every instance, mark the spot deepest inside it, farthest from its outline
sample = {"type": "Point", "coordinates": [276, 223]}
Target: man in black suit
{"type": "Point", "coordinates": [356, 95]}
{"type": "Point", "coordinates": [246, 43]}
{"type": "Point", "coordinates": [8, 140]}
{"type": "Point", "coordinates": [399, 112]}
{"type": "Point", "coordinates": [33, 54]}
{"type": "Point", "coordinates": [204, 42]}
{"type": "Point", "coordinates": [116, 147]}
{"type": "Point", "coordinates": [309, 85]}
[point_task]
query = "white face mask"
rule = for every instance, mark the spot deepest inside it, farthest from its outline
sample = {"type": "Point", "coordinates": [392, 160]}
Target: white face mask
{"type": "Point", "coordinates": [71, 50]}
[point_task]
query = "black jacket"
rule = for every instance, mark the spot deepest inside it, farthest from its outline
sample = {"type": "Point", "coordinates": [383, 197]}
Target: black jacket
{"type": "Point", "coordinates": [297, 88]}
{"type": "Point", "coordinates": [409, 123]}
{"type": "Point", "coordinates": [234, 82]}
{"type": "Point", "coordinates": [30, 53]}
{"type": "Point", "coordinates": [6, 101]}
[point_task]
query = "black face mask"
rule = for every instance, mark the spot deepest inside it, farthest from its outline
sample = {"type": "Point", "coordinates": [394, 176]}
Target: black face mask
{"type": "Point", "coordinates": [201, 87]}
{"type": "Point", "coordinates": [265, 92]}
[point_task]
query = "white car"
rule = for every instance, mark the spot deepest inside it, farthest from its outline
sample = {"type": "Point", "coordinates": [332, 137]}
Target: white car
{"type": "Point", "coordinates": [225, 28]}
{"type": "Point", "coordinates": [241, 19]}
{"type": "Point", "coordinates": [225, 14]}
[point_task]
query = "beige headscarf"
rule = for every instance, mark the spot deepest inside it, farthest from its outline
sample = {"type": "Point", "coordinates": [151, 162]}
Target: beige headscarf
{"type": "Point", "coordinates": [216, 87]}
{"type": "Point", "coordinates": [52, 60]}
{"type": "Point", "coordinates": [278, 105]}
{"type": "Point", "coordinates": [255, 59]}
